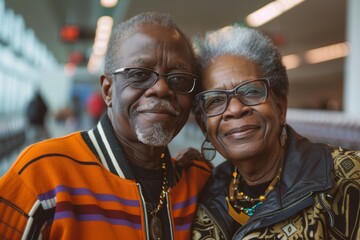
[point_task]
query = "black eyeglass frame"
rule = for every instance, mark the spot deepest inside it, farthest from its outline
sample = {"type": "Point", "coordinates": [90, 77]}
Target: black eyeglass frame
{"type": "Point", "coordinates": [232, 93]}
{"type": "Point", "coordinates": [158, 75]}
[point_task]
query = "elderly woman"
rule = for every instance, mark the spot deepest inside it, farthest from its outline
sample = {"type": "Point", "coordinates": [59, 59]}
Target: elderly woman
{"type": "Point", "coordinates": [275, 183]}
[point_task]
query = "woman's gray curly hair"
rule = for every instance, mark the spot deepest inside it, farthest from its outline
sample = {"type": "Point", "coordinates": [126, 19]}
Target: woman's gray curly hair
{"type": "Point", "coordinates": [246, 42]}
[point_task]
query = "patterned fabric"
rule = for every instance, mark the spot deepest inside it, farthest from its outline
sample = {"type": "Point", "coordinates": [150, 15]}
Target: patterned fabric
{"type": "Point", "coordinates": [205, 228]}
{"type": "Point", "coordinates": [314, 222]}
{"type": "Point", "coordinates": [333, 214]}
{"type": "Point", "coordinates": [64, 188]}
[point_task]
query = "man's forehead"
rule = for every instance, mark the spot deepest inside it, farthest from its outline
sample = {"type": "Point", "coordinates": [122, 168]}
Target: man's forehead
{"type": "Point", "coordinates": [142, 45]}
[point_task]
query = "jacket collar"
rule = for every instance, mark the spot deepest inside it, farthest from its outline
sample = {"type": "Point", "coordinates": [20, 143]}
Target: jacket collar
{"type": "Point", "coordinates": [307, 168]}
{"type": "Point", "coordinates": [104, 144]}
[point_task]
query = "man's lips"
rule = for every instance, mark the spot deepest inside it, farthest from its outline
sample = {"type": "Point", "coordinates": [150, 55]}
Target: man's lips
{"type": "Point", "coordinates": [159, 111]}
{"type": "Point", "coordinates": [241, 130]}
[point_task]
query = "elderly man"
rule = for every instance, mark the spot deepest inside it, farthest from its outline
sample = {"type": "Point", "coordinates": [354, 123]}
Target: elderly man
{"type": "Point", "coordinates": [116, 181]}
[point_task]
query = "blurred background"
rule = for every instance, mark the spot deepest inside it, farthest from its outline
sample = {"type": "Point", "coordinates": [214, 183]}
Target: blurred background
{"type": "Point", "coordinates": [51, 57]}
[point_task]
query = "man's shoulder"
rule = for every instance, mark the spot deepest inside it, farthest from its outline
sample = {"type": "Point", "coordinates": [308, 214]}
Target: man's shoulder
{"type": "Point", "coordinates": [194, 174]}
{"type": "Point", "coordinates": [201, 166]}
{"type": "Point", "coordinates": [55, 147]}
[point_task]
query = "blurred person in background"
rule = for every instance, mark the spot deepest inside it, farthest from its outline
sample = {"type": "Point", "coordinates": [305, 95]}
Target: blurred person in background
{"type": "Point", "coordinates": [275, 184]}
{"type": "Point", "coordinates": [117, 180]}
{"type": "Point", "coordinates": [36, 113]}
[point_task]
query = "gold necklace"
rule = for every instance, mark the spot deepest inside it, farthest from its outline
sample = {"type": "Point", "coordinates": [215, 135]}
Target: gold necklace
{"type": "Point", "coordinates": [155, 222]}
{"type": "Point", "coordinates": [235, 195]}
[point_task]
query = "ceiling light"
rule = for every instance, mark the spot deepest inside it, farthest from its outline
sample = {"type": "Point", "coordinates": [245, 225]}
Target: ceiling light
{"type": "Point", "coordinates": [327, 53]}
{"type": "Point", "coordinates": [270, 11]}
{"type": "Point", "coordinates": [99, 50]}
{"type": "Point", "coordinates": [102, 36]}
{"type": "Point", "coordinates": [94, 63]}
{"type": "Point", "coordinates": [105, 22]}
{"type": "Point", "coordinates": [108, 3]}
{"type": "Point", "coordinates": [291, 61]}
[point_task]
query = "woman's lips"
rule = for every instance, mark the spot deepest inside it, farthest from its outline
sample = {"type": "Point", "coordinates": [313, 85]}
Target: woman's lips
{"type": "Point", "coordinates": [243, 130]}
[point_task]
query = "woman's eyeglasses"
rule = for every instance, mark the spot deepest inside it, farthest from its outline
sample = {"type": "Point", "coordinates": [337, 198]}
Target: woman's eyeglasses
{"type": "Point", "coordinates": [144, 78]}
{"type": "Point", "coordinates": [250, 93]}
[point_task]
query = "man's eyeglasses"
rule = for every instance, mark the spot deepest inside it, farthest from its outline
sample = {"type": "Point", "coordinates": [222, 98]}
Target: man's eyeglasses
{"type": "Point", "coordinates": [250, 93]}
{"type": "Point", "coordinates": [144, 78]}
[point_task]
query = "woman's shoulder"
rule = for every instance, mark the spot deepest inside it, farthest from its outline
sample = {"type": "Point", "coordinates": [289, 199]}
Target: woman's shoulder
{"type": "Point", "coordinates": [346, 163]}
{"type": "Point", "coordinates": [343, 198]}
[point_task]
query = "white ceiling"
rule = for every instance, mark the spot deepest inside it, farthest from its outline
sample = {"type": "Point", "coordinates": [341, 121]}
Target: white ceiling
{"type": "Point", "coordinates": [312, 24]}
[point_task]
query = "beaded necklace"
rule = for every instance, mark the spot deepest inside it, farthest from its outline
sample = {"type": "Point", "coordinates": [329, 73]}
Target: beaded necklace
{"type": "Point", "coordinates": [236, 198]}
{"type": "Point", "coordinates": [155, 226]}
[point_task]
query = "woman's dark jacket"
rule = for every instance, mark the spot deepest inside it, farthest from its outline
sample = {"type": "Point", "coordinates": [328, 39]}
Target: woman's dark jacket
{"type": "Point", "coordinates": [317, 197]}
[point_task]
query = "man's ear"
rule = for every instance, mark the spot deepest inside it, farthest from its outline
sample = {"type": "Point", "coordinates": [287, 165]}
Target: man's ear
{"type": "Point", "coordinates": [106, 87]}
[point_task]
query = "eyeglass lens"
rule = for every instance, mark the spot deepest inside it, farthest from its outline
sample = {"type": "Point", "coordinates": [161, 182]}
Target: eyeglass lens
{"type": "Point", "coordinates": [215, 102]}
{"type": "Point", "coordinates": [144, 78]}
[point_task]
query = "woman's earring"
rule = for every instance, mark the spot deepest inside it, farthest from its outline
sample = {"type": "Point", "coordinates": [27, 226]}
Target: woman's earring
{"type": "Point", "coordinates": [207, 150]}
{"type": "Point", "coordinates": [283, 135]}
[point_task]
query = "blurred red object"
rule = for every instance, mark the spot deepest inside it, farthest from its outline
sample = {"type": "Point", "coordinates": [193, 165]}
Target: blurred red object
{"type": "Point", "coordinates": [70, 33]}
{"type": "Point", "coordinates": [96, 105]}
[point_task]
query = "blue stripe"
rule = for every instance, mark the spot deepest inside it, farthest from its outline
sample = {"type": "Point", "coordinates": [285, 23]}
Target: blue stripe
{"type": "Point", "coordinates": [85, 191]}
{"type": "Point", "coordinates": [185, 203]}
{"type": "Point", "coordinates": [96, 217]}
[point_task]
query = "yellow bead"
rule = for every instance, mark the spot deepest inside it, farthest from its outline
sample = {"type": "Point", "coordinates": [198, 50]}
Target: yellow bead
{"type": "Point", "coordinates": [262, 198]}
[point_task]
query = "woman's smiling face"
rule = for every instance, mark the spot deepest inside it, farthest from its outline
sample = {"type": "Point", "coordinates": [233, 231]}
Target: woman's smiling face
{"type": "Point", "coordinates": [242, 132]}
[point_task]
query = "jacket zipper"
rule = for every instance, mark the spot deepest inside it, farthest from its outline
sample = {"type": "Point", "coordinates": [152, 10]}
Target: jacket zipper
{"type": "Point", "coordinates": [274, 213]}
{"type": "Point", "coordinates": [146, 217]}
{"type": "Point", "coordinates": [144, 210]}
{"type": "Point", "coordinates": [169, 215]}
{"type": "Point", "coordinates": [332, 220]}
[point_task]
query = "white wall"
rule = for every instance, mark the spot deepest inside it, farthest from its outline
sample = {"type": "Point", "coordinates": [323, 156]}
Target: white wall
{"type": "Point", "coordinates": [55, 87]}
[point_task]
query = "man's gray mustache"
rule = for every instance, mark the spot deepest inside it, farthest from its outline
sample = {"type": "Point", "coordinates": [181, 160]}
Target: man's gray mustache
{"type": "Point", "coordinates": [154, 105]}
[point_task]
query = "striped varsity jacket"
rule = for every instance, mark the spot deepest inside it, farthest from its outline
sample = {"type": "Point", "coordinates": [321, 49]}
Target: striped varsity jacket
{"type": "Point", "coordinates": [81, 187]}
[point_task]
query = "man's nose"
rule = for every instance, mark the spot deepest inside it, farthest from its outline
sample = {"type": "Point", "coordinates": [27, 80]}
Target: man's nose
{"type": "Point", "coordinates": [161, 87]}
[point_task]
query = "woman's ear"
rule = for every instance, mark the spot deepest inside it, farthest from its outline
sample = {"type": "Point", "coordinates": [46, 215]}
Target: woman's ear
{"type": "Point", "coordinates": [106, 87]}
{"type": "Point", "coordinates": [282, 106]}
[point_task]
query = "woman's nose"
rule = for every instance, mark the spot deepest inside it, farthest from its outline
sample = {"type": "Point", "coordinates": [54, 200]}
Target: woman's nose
{"type": "Point", "coordinates": [236, 108]}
